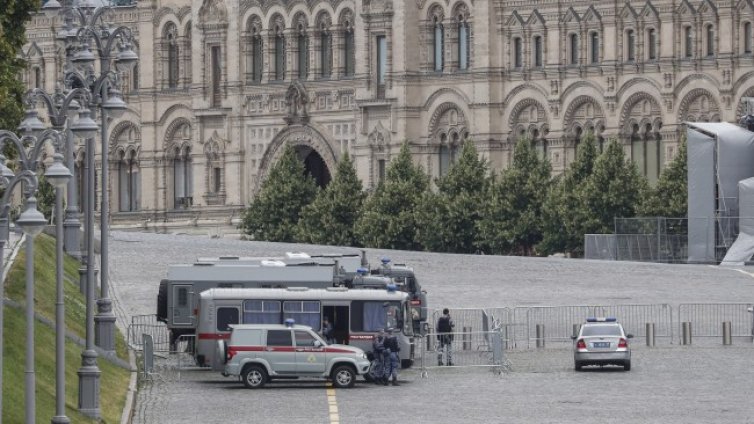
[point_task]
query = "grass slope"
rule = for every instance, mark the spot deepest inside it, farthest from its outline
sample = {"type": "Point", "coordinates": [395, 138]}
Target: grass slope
{"type": "Point", "coordinates": [113, 381]}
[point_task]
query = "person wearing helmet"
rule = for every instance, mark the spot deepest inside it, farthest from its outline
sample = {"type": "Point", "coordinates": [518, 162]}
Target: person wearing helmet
{"type": "Point", "coordinates": [378, 350]}
{"type": "Point", "coordinates": [391, 345]}
{"type": "Point", "coordinates": [444, 329]}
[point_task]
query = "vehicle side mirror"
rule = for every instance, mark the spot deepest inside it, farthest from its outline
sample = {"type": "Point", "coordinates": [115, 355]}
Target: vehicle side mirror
{"type": "Point", "coordinates": [574, 337]}
{"type": "Point", "coordinates": [317, 343]}
{"type": "Point", "coordinates": [629, 336]}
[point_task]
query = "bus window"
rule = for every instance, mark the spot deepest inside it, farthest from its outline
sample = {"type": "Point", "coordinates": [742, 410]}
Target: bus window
{"type": "Point", "coordinates": [373, 316]}
{"type": "Point", "coordinates": [302, 312]}
{"type": "Point", "coordinates": [261, 312]}
{"type": "Point", "coordinates": [225, 317]}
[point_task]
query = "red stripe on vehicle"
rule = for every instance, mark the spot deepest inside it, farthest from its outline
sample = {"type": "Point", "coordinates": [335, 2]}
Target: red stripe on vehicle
{"type": "Point", "coordinates": [336, 350]}
{"type": "Point", "coordinates": [213, 336]}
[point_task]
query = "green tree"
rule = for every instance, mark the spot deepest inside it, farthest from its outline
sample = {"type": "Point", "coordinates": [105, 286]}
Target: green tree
{"type": "Point", "coordinates": [331, 217]}
{"type": "Point", "coordinates": [45, 197]}
{"type": "Point", "coordinates": [447, 220]}
{"type": "Point", "coordinates": [388, 221]}
{"type": "Point", "coordinates": [512, 216]}
{"type": "Point", "coordinates": [614, 190]}
{"type": "Point", "coordinates": [274, 213]}
{"type": "Point", "coordinates": [562, 212]}
{"type": "Point", "coordinates": [15, 14]}
{"type": "Point", "coordinates": [670, 196]}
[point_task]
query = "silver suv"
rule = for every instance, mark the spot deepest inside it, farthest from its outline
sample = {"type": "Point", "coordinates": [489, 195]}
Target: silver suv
{"type": "Point", "coordinates": [259, 353]}
{"type": "Point", "coordinates": [602, 341]}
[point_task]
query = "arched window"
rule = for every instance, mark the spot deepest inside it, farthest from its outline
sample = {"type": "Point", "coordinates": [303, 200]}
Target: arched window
{"type": "Point", "coordinates": [538, 51]}
{"type": "Point", "coordinates": [688, 42]}
{"type": "Point", "coordinates": [303, 53]}
{"type": "Point", "coordinates": [518, 53]}
{"type": "Point", "coordinates": [437, 40]}
{"type": "Point", "coordinates": [630, 46]}
{"type": "Point", "coordinates": [279, 54]}
{"type": "Point", "coordinates": [173, 58]}
{"type": "Point", "coordinates": [182, 179]}
{"type": "Point", "coordinates": [573, 43]}
{"type": "Point", "coordinates": [325, 51]}
{"type": "Point", "coordinates": [747, 38]}
{"type": "Point", "coordinates": [128, 183]}
{"type": "Point", "coordinates": [349, 50]}
{"type": "Point", "coordinates": [595, 47]}
{"type": "Point", "coordinates": [652, 44]}
{"type": "Point", "coordinates": [256, 58]}
{"type": "Point", "coordinates": [463, 43]}
{"type": "Point", "coordinates": [710, 34]}
{"type": "Point", "coordinates": [444, 164]}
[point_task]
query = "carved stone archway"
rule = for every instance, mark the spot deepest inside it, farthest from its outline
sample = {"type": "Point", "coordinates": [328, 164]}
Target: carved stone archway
{"type": "Point", "coordinates": [313, 149]}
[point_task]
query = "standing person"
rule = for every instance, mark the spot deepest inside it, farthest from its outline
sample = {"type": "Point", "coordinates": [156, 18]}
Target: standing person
{"type": "Point", "coordinates": [327, 331]}
{"type": "Point", "coordinates": [444, 329]}
{"type": "Point", "coordinates": [378, 350]}
{"type": "Point", "coordinates": [391, 345]}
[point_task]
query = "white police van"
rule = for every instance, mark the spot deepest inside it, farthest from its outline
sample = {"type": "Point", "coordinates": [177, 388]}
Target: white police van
{"type": "Point", "coordinates": [258, 353]}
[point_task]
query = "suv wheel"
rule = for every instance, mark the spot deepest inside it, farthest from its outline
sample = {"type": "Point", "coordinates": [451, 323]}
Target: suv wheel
{"type": "Point", "coordinates": [627, 366]}
{"type": "Point", "coordinates": [578, 366]}
{"type": "Point", "coordinates": [254, 377]}
{"type": "Point", "coordinates": [343, 377]}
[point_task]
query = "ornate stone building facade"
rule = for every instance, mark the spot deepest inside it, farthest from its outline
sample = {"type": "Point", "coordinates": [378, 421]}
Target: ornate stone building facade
{"type": "Point", "coordinates": [223, 85]}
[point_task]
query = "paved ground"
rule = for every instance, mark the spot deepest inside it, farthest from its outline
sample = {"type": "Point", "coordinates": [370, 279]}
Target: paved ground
{"type": "Point", "coordinates": [668, 384]}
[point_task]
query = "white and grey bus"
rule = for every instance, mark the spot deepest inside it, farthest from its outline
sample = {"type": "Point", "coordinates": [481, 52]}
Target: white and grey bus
{"type": "Point", "coordinates": [356, 316]}
{"type": "Point", "coordinates": [178, 295]}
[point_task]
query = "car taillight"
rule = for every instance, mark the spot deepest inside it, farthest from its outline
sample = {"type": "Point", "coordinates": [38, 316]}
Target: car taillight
{"type": "Point", "coordinates": [622, 343]}
{"type": "Point", "coordinates": [230, 353]}
{"type": "Point", "coordinates": [581, 344]}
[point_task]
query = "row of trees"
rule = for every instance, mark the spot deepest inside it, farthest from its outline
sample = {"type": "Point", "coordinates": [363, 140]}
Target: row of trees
{"type": "Point", "coordinates": [520, 211]}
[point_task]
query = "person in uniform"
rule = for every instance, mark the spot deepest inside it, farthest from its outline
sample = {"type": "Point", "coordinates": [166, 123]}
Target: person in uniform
{"type": "Point", "coordinates": [392, 347]}
{"type": "Point", "coordinates": [378, 350]}
{"type": "Point", "coordinates": [444, 329]}
{"type": "Point", "coordinates": [327, 331]}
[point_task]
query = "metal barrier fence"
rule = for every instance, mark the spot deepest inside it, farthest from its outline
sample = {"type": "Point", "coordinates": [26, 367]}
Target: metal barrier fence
{"type": "Point", "coordinates": [635, 317]}
{"type": "Point", "coordinates": [538, 325]}
{"type": "Point", "coordinates": [707, 319]}
{"type": "Point", "coordinates": [148, 324]}
{"type": "Point", "coordinates": [467, 349]}
{"type": "Point", "coordinates": [166, 365]}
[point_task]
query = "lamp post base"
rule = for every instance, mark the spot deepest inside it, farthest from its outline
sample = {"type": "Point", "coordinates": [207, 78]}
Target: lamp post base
{"type": "Point", "coordinates": [72, 229]}
{"type": "Point", "coordinates": [60, 420]}
{"type": "Point", "coordinates": [89, 375]}
{"type": "Point", "coordinates": [104, 325]}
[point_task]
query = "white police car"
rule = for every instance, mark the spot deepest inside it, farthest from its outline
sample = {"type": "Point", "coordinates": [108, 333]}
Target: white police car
{"type": "Point", "coordinates": [602, 341]}
{"type": "Point", "coordinates": [259, 353]}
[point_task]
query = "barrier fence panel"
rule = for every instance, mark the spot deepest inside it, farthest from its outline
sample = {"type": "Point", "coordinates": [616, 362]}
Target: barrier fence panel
{"type": "Point", "coordinates": [467, 349]}
{"type": "Point", "coordinates": [555, 323]}
{"type": "Point", "coordinates": [464, 319]}
{"type": "Point", "coordinates": [502, 319]}
{"type": "Point", "coordinates": [148, 324]}
{"type": "Point", "coordinates": [635, 317]}
{"type": "Point", "coordinates": [707, 319]}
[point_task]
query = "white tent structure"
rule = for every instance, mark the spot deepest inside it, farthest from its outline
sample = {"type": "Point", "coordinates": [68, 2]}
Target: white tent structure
{"type": "Point", "coordinates": [720, 155]}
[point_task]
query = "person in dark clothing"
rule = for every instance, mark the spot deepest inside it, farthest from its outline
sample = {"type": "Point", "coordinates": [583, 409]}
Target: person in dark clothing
{"type": "Point", "coordinates": [327, 331]}
{"type": "Point", "coordinates": [378, 350]}
{"type": "Point", "coordinates": [391, 346]}
{"type": "Point", "coordinates": [444, 329]}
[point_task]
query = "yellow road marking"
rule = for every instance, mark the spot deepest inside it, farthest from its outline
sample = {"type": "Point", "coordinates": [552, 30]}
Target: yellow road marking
{"type": "Point", "coordinates": [332, 402]}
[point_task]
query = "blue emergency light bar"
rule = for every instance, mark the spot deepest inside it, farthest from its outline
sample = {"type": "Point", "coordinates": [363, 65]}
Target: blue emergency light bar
{"type": "Point", "coordinates": [289, 322]}
{"type": "Point", "coordinates": [385, 260]}
{"type": "Point", "coordinates": [391, 288]}
{"type": "Point", "coordinates": [601, 319]}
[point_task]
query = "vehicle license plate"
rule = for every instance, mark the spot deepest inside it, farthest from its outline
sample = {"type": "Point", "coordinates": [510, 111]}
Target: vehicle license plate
{"type": "Point", "coordinates": [601, 344]}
